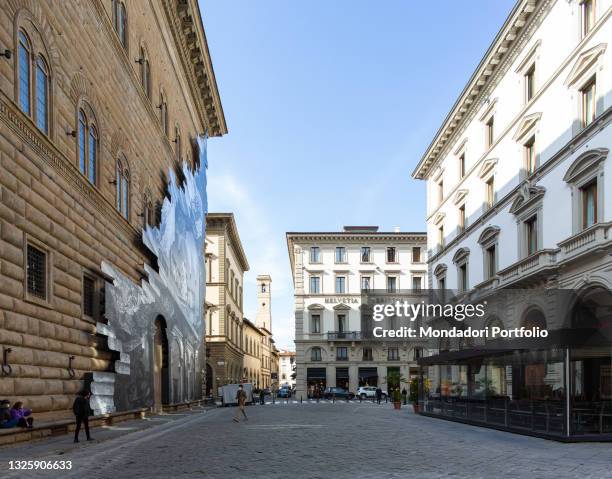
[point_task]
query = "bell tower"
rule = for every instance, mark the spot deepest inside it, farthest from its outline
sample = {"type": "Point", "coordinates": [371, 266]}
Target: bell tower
{"type": "Point", "coordinates": [264, 315]}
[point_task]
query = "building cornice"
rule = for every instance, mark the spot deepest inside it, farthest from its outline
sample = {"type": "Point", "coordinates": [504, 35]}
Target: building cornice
{"type": "Point", "coordinates": [569, 148]}
{"type": "Point", "coordinates": [226, 220]}
{"type": "Point", "coordinates": [185, 23]}
{"type": "Point", "coordinates": [293, 237]}
{"type": "Point", "coordinates": [253, 326]}
{"type": "Point", "coordinates": [504, 43]}
{"type": "Point", "coordinates": [523, 112]}
{"type": "Point", "coordinates": [411, 237]}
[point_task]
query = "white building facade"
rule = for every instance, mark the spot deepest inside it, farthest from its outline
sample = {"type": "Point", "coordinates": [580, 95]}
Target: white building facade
{"type": "Point", "coordinates": [519, 195]}
{"type": "Point", "coordinates": [518, 175]}
{"type": "Point", "coordinates": [330, 270]}
{"type": "Point", "coordinates": [286, 368]}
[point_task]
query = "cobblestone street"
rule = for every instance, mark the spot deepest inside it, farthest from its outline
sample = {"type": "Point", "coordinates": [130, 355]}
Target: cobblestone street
{"type": "Point", "coordinates": [313, 441]}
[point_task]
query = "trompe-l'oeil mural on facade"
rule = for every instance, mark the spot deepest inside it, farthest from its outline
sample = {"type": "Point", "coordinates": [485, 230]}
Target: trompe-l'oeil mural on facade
{"type": "Point", "coordinates": [157, 327]}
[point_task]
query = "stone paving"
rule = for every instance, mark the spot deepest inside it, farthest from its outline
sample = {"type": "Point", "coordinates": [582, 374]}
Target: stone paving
{"type": "Point", "coordinates": [322, 440]}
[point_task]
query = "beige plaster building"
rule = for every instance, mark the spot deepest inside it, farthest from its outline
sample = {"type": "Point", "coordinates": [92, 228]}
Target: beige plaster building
{"type": "Point", "coordinates": [274, 366]}
{"type": "Point", "coordinates": [253, 337]}
{"type": "Point", "coordinates": [226, 264]}
{"type": "Point", "coordinates": [97, 102]}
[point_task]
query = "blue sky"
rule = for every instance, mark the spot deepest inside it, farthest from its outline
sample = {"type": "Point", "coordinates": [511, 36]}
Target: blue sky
{"type": "Point", "coordinates": [329, 106]}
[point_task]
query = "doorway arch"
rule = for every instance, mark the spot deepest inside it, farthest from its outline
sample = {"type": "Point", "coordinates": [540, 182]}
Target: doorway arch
{"type": "Point", "coordinates": [161, 376]}
{"type": "Point", "coordinates": [209, 379]}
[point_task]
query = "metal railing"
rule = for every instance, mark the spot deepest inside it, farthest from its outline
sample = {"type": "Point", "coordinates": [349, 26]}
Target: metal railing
{"type": "Point", "coordinates": [343, 335]}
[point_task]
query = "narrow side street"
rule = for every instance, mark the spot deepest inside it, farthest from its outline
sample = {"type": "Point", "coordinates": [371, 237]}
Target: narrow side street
{"type": "Point", "coordinates": [341, 440]}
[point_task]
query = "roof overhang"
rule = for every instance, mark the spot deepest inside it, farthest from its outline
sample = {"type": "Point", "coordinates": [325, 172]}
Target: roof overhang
{"type": "Point", "coordinates": [504, 41]}
{"type": "Point", "coordinates": [186, 25]}
{"type": "Point", "coordinates": [217, 219]}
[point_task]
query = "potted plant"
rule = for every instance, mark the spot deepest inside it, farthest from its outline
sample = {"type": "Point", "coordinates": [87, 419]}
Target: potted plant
{"type": "Point", "coordinates": [394, 381]}
{"type": "Point", "coordinates": [397, 398]}
{"type": "Point", "coordinates": [414, 394]}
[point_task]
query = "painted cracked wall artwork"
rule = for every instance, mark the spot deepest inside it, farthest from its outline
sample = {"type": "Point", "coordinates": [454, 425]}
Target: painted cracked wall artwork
{"type": "Point", "coordinates": [157, 327]}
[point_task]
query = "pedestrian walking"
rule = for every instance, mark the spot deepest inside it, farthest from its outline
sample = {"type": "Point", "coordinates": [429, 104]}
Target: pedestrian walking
{"type": "Point", "coordinates": [262, 397]}
{"type": "Point", "coordinates": [241, 398]}
{"type": "Point", "coordinates": [82, 411]}
{"type": "Point", "coordinates": [404, 396]}
{"type": "Point", "coordinates": [378, 395]}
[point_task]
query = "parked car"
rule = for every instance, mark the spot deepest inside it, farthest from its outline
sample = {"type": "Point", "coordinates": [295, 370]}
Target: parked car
{"type": "Point", "coordinates": [284, 393]}
{"type": "Point", "coordinates": [367, 392]}
{"type": "Point", "coordinates": [339, 393]}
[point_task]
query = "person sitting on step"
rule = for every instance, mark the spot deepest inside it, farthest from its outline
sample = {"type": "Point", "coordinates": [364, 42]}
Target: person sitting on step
{"type": "Point", "coordinates": [22, 415]}
{"type": "Point", "coordinates": [6, 421]}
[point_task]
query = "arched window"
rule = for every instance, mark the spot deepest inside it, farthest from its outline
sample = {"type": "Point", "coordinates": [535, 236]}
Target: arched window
{"type": "Point", "coordinates": [42, 94]}
{"type": "Point", "coordinates": [177, 141]}
{"type": "Point", "coordinates": [25, 49]}
{"type": "Point", "coordinates": [87, 144]}
{"type": "Point", "coordinates": [315, 354]}
{"type": "Point", "coordinates": [145, 72]}
{"type": "Point", "coordinates": [148, 212]}
{"type": "Point", "coordinates": [163, 112]}
{"type": "Point", "coordinates": [126, 194]}
{"type": "Point", "coordinates": [122, 183]}
{"type": "Point", "coordinates": [82, 142]}
{"type": "Point", "coordinates": [33, 86]}
{"type": "Point", "coordinates": [93, 154]}
{"type": "Point", "coordinates": [120, 21]}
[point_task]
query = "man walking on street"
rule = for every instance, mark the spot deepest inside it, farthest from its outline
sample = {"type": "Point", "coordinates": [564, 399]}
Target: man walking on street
{"type": "Point", "coordinates": [378, 395]}
{"type": "Point", "coordinates": [241, 398]}
{"type": "Point", "coordinates": [82, 411]}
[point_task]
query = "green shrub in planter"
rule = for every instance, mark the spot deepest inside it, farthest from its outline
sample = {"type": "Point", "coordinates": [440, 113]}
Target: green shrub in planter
{"type": "Point", "coordinates": [414, 390]}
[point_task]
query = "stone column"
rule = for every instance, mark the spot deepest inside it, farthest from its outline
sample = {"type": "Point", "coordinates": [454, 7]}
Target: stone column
{"type": "Point", "coordinates": [382, 377]}
{"type": "Point", "coordinates": [353, 378]}
{"type": "Point", "coordinates": [330, 381]}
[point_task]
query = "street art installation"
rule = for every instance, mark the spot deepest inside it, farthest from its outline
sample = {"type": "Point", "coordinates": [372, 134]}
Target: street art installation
{"type": "Point", "coordinates": [157, 327]}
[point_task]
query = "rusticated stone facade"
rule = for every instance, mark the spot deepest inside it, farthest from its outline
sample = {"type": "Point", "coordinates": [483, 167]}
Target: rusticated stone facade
{"type": "Point", "coordinates": [48, 204]}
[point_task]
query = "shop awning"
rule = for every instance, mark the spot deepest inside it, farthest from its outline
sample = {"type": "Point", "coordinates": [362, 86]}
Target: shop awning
{"type": "Point", "coordinates": [558, 339]}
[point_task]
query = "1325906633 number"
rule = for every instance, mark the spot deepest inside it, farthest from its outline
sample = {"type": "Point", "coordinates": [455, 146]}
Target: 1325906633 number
{"type": "Point", "coordinates": [48, 465]}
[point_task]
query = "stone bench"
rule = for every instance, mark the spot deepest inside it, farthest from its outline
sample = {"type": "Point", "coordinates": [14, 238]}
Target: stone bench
{"type": "Point", "coordinates": [57, 428]}
{"type": "Point", "coordinates": [44, 429]}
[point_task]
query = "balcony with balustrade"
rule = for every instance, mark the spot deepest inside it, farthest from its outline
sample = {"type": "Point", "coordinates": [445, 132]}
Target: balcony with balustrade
{"type": "Point", "coordinates": [529, 269]}
{"type": "Point", "coordinates": [344, 335]}
{"type": "Point", "coordinates": [594, 239]}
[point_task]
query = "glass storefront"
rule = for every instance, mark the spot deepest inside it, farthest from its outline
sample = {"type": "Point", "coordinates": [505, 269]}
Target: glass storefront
{"type": "Point", "coordinates": [368, 377]}
{"type": "Point", "coordinates": [316, 381]}
{"type": "Point", "coordinates": [558, 385]}
{"type": "Point", "coordinates": [342, 378]}
{"type": "Point", "coordinates": [524, 391]}
{"type": "Point", "coordinates": [591, 393]}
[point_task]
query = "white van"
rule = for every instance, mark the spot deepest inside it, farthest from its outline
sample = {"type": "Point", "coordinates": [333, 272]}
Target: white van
{"type": "Point", "coordinates": [228, 393]}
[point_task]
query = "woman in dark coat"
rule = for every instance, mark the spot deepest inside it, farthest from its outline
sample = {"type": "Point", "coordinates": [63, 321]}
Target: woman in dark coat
{"type": "Point", "coordinates": [82, 411]}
